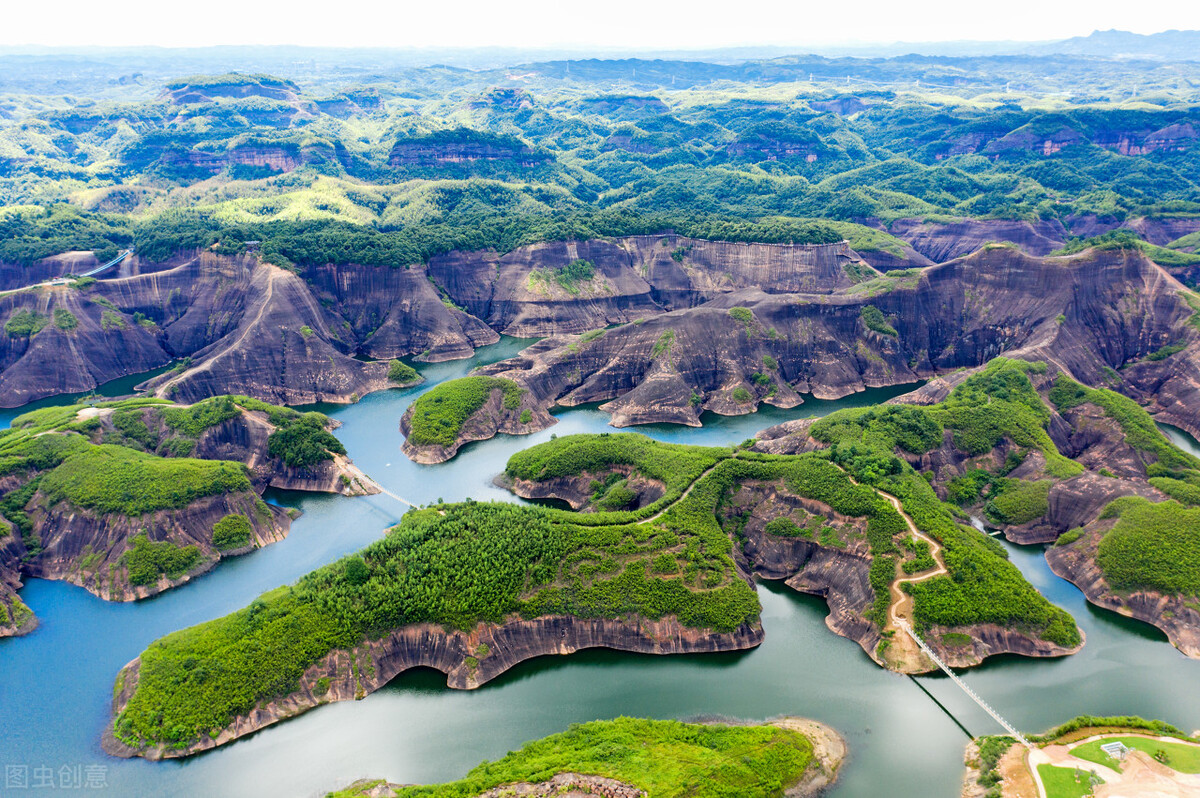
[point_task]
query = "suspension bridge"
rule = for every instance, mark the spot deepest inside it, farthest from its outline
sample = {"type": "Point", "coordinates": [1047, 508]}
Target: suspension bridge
{"type": "Point", "coordinates": [125, 254]}
{"type": "Point", "coordinates": [398, 498]}
{"type": "Point", "coordinates": [1008, 727]}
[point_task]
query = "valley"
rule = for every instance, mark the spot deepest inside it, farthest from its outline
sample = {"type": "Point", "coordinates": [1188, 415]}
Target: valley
{"type": "Point", "coordinates": [580, 409]}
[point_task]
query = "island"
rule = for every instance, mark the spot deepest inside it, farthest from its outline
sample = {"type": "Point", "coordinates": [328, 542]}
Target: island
{"type": "Point", "coordinates": [635, 758]}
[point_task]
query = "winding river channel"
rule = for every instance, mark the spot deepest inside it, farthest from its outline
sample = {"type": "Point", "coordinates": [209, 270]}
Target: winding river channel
{"type": "Point", "coordinates": [906, 735]}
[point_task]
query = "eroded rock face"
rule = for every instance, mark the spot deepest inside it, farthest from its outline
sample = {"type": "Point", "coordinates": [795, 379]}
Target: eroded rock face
{"type": "Point", "coordinates": [15, 618]}
{"type": "Point", "coordinates": [396, 312]}
{"type": "Point", "coordinates": [579, 491]}
{"type": "Point", "coordinates": [941, 242]}
{"type": "Point", "coordinates": [87, 548]}
{"type": "Point", "coordinates": [244, 438]}
{"type": "Point", "coordinates": [1085, 314]}
{"type": "Point", "coordinates": [469, 659]}
{"type": "Point", "coordinates": [636, 277]}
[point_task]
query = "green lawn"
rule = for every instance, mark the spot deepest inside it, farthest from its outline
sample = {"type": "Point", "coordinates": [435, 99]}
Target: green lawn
{"type": "Point", "coordinates": [1180, 756]}
{"type": "Point", "coordinates": [1066, 782]}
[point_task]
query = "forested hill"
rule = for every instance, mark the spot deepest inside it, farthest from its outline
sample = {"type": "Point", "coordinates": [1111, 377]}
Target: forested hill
{"type": "Point", "coordinates": [393, 166]}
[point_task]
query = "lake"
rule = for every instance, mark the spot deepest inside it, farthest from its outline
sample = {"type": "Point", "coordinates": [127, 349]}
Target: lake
{"type": "Point", "coordinates": [905, 735]}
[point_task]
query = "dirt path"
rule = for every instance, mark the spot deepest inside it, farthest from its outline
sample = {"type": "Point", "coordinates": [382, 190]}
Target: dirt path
{"type": "Point", "coordinates": [903, 654]}
{"type": "Point", "coordinates": [273, 273]}
{"type": "Point", "coordinates": [684, 495]}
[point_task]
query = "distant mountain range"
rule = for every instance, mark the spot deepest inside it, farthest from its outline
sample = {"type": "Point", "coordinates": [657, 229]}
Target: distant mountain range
{"type": "Point", "coordinates": [1172, 45]}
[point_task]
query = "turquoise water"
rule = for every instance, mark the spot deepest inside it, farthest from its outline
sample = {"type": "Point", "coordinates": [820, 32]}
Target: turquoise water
{"type": "Point", "coordinates": [55, 684]}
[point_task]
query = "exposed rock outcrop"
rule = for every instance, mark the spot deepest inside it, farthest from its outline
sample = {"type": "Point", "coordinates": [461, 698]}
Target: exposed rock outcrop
{"type": "Point", "coordinates": [1095, 311]}
{"type": "Point", "coordinates": [89, 549]}
{"type": "Point", "coordinates": [397, 311]}
{"type": "Point", "coordinates": [636, 277]}
{"type": "Point", "coordinates": [97, 550]}
{"type": "Point", "coordinates": [945, 241]}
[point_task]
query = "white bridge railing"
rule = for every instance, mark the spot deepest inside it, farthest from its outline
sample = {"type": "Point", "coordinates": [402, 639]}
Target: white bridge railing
{"type": "Point", "coordinates": [1008, 727]}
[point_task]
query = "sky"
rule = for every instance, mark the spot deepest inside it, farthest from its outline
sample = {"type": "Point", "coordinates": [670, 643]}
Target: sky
{"type": "Point", "coordinates": [610, 24]}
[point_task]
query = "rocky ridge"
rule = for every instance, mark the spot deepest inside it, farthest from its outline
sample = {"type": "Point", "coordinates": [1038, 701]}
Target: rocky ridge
{"type": "Point", "coordinates": [469, 659]}
{"type": "Point", "coordinates": [1089, 314]}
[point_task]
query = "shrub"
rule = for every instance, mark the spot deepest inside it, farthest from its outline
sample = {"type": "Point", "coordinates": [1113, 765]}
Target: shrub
{"type": "Point", "coordinates": [148, 560]}
{"type": "Point", "coordinates": [785, 527]}
{"type": "Point", "coordinates": [874, 320]}
{"type": "Point", "coordinates": [742, 315]}
{"type": "Point", "coordinates": [110, 321]}
{"type": "Point", "coordinates": [1016, 502]}
{"type": "Point", "coordinates": [231, 532]}
{"type": "Point", "coordinates": [663, 345]}
{"type": "Point", "coordinates": [662, 757]}
{"type": "Point", "coordinates": [1152, 547]}
{"type": "Point", "coordinates": [65, 320]}
{"type": "Point", "coordinates": [402, 373]}
{"type": "Point", "coordinates": [304, 441]}
{"type": "Point", "coordinates": [741, 395]}
{"type": "Point", "coordinates": [25, 323]}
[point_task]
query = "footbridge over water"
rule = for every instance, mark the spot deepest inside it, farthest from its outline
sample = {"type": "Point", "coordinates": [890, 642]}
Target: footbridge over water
{"type": "Point", "coordinates": [1008, 727]}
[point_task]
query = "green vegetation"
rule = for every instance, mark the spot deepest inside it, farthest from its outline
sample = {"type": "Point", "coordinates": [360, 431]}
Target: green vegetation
{"type": "Point", "coordinates": [569, 277]}
{"type": "Point", "coordinates": [665, 758]}
{"type": "Point", "coordinates": [991, 749]}
{"type": "Point", "coordinates": [663, 345]}
{"type": "Point", "coordinates": [304, 441]}
{"type": "Point", "coordinates": [232, 532]}
{"type": "Point", "coordinates": [1128, 239]}
{"type": "Point", "coordinates": [1086, 725]}
{"type": "Point", "coordinates": [65, 320]}
{"type": "Point", "coordinates": [458, 565]}
{"type": "Point", "coordinates": [110, 321]}
{"type": "Point", "coordinates": [743, 316]}
{"type": "Point", "coordinates": [1183, 492]}
{"type": "Point", "coordinates": [675, 466]}
{"type": "Point", "coordinates": [785, 527]}
{"type": "Point", "coordinates": [1182, 757]}
{"type": "Point", "coordinates": [192, 421]}
{"type": "Point", "coordinates": [982, 586]}
{"type": "Point", "coordinates": [113, 479]}
{"type": "Point", "coordinates": [402, 373]}
{"type": "Point", "coordinates": [1152, 547]}
{"type": "Point", "coordinates": [439, 414]}
{"type": "Point", "coordinates": [148, 560]}
{"type": "Point", "coordinates": [1019, 502]}
{"type": "Point", "coordinates": [1070, 536]}
{"type": "Point", "coordinates": [1166, 351]}
{"type": "Point", "coordinates": [1068, 782]}
{"type": "Point", "coordinates": [741, 395]}
{"type": "Point", "coordinates": [24, 323]}
{"type": "Point", "coordinates": [874, 319]}
{"type": "Point", "coordinates": [526, 416]}
{"type": "Point", "coordinates": [1140, 430]}
{"type": "Point", "coordinates": [477, 562]}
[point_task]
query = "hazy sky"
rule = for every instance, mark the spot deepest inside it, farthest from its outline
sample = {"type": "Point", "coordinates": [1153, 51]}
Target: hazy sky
{"type": "Point", "coordinates": [648, 24]}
